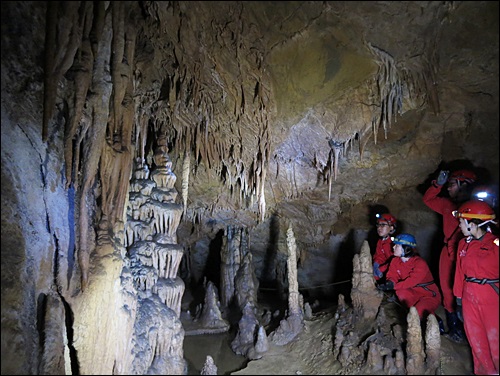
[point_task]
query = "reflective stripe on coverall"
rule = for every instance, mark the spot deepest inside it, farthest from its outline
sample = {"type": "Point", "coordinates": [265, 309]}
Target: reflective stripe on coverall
{"type": "Point", "coordinates": [479, 259]}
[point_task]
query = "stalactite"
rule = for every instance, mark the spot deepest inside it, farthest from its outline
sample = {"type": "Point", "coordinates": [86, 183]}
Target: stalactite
{"type": "Point", "coordinates": [389, 82]}
{"type": "Point", "coordinates": [118, 49]}
{"type": "Point", "coordinates": [82, 69]}
{"type": "Point", "coordinates": [62, 39]}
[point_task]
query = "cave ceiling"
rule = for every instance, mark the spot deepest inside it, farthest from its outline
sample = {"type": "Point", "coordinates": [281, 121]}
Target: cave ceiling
{"type": "Point", "coordinates": [268, 106]}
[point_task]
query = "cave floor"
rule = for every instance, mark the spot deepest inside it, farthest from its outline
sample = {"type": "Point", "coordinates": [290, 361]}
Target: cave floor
{"type": "Point", "coordinates": [311, 352]}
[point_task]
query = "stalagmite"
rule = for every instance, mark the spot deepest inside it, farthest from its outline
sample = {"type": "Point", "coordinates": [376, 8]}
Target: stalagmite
{"type": "Point", "coordinates": [246, 283]}
{"type": "Point", "coordinates": [294, 307]}
{"type": "Point", "coordinates": [365, 296]}
{"type": "Point", "coordinates": [374, 360]}
{"type": "Point", "coordinates": [293, 324]}
{"type": "Point", "coordinates": [432, 344]}
{"type": "Point", "coordinates": [233, 249]}
{"type": "Point", "coordinates": [244, 340]}
{"type": "Point", "coordinates": [211, 318]}
{"type": "Point", "coordinates": [209, 368]}
{"type": "Point", "coordinates": [262, 344]}
{"type": "Point", "coordinates": [414, 348]}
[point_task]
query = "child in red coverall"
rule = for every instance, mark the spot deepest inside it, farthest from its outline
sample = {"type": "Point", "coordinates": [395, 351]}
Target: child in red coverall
{"type": "Point", "coordinates": [476, 284]}
{"type": "Point", "coordinates": [410, 277]}
{"type": "Point", "coordinates": [459, 187]}
{"type": "Point", "coordinates": [386, 226]}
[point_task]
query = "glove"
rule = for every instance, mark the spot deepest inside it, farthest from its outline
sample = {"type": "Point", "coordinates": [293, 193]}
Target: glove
{"type": "Point", "coordinates": [443, 177]}
{"type": "Point", "coordinates": [376, 270]}
{"type": "Point", "coordinates": [389, 285]}
{"type": "Point", "coordinates": [459, 309]}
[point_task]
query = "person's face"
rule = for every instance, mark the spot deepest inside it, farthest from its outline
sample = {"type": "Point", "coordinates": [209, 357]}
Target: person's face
{"type": "Point", "coordinates": [383, 229]}
{"type": "Point", "coordinates": [398, 250]}
{"type": "Point", "coordinates": [453, 188]}
{"type": "Point", "coordinates": [464, 227]}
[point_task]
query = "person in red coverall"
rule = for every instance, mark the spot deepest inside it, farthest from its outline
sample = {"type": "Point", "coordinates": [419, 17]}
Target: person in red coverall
{"type": "Point", "coordinates": [476, 284]}
{"type": "Point", "coordinates": [386, 226]}
{"type": "Point", "coordinates": [459, 186]}
{"type": "Point", "coordinates": [410, 277]}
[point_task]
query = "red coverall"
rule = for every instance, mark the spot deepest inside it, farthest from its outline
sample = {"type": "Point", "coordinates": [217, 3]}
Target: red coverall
{"type": "Point", "coordinates": [383, 254]}
{"type": "Point", "coordinates": [452, 235]}
{"type": "Point", "coordinates": [479, 259]}
{"type": "Point", "coordinates": [406, 277]}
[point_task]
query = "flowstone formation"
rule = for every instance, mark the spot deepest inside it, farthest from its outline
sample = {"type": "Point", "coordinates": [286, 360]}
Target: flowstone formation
{"type": "Point", "coordinates": [368, 342]}
{"type": "Point", "coordinates": [150, 235]}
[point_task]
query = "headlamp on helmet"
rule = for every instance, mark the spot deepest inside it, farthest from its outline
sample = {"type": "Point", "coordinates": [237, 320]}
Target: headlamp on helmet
{"type": "Point", "coordinates": [408, 243]}
{"type": "Point", "coordinates": [488, 194]}
{"type": "Point", "coordinates": [386, 217]}
{"type": "Point", "coordinates": [475, 209]}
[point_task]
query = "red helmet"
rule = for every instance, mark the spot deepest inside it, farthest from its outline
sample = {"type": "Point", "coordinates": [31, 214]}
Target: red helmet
{"type": "Point", "coordinates": [463, 176]}
{"type": "Point", "coordinates": [386, 217]}
{"type": "Point", "coordinates": [475, 209]}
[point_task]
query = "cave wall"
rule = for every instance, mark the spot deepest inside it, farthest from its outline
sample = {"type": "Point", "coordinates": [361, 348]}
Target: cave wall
{"type": "Point", "coordinates": [249, 94]}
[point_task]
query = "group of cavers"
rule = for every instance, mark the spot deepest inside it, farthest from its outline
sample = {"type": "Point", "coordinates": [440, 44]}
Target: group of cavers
{"type": "Point", "coordinates": [468, 287]}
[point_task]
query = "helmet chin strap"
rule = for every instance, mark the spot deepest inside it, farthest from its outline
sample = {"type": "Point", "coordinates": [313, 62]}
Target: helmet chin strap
{"type": "Point", "coordinates": [467, 224]}
{"type": "Point", "coordinates": [481, 224]}
{"type": "Point", "coordinates": [485, 222]}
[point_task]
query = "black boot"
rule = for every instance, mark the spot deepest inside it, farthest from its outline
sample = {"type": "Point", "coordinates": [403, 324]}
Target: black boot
{"type": "Point", "coordinates": [441, 324]}
{"type": "Point", "coordinates": [455, 328]}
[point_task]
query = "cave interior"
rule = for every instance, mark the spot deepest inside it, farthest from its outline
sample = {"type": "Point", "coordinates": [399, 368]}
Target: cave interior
{"type": "Point", "coordinates": [160, 158]}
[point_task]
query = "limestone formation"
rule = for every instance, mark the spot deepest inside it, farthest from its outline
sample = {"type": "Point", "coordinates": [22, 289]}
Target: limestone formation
{"type": "Point", "coordinates": [293, 323]}
{"type": "Point", "coordinates": [209, 368]}
{"type": "Point", "coordinates": [365, 296]}
{"type": "Point", "coordinates": [245, 340]}
{"type": "Point", "coordinates": [211, 320]}
{"type": "Point", "coordinates": [246, 283]}
{"type": "Point", "coordinates": [432, 345]}
{"type": "Point", "coordinates": [150, 234]}
{"type": "Point", "coordinates": [243, 95]}
{"type": "Point", "coordinates": [231, 259]}
{"type": "Point", "coordinates": [415, 355]}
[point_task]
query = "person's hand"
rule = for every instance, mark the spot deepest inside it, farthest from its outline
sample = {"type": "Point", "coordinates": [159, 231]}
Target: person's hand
{"type": "Point", "coordinates": [388, 286]}
{"type": "Point", "coordinates": [459, 309]}
{"type": "Point", "coordinates": [376, 270]}
{"type": "Point", "coordinates": [442, 177]}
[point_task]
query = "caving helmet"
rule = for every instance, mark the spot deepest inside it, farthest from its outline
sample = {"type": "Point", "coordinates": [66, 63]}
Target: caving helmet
{"type": "Point", "coordinates": [486, 193]}
{"type": "Point", "coordinates": [408, 242]}
{"type": "Point", "coordinates": [463, 176]}
{"type": "Point", "coordinates": [475, 209]}
{"type": "Point", "coordinates": [386, 218]}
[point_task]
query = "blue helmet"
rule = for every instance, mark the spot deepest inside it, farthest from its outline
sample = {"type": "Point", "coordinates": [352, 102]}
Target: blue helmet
{"type": "Point", "coordinates": [405, 239]}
